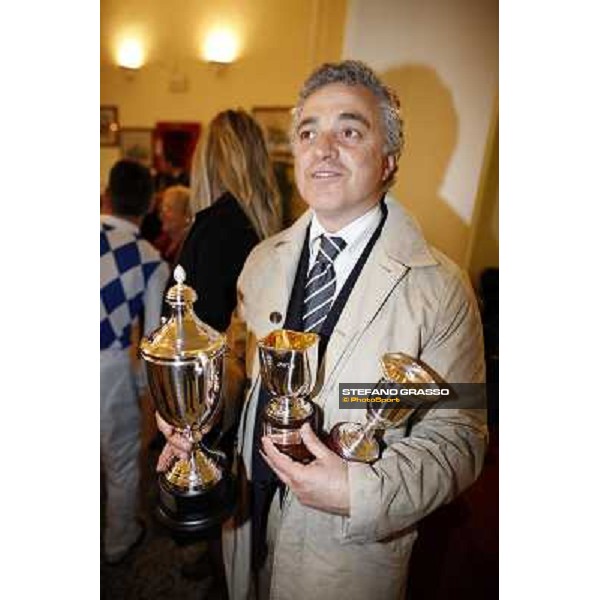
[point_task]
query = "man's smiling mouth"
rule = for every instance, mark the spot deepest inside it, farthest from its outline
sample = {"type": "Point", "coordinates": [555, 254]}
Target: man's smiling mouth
{"type": "Point", "coordinates": [325, 174]}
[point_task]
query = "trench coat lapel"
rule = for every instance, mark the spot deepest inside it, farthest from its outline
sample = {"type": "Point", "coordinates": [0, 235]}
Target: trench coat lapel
{"type": "Point", "coordinates": [278, 279]}
{"type": "Point", "coordinates": [400, 248]}
{"type": "Point", "coordinates": [379, 277]}
{"type": "Point", "coordinates": [276, 282]}
{"type": "Point", "coordinates": [287, 248]}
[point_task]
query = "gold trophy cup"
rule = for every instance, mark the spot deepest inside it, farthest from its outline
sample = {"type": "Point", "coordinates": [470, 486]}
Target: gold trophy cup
{"type": "Point", "coordinates": [184, 364]}
{"type": "Point", "coordinates": [358, 443]}
{"type": "Point", "coordinates": [288, 367]}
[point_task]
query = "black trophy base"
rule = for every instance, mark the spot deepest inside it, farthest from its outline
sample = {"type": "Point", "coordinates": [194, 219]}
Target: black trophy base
{"type": "Point", "coordinates": [195, 513]}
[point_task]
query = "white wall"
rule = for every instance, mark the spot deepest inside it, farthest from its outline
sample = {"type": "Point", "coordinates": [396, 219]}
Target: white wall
{"type": "Point", "coordinates": [452, 44]}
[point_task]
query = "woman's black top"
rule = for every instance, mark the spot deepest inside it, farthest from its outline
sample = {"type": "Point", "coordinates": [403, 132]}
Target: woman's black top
{"type": "Point", "coordinates": [213, 255]}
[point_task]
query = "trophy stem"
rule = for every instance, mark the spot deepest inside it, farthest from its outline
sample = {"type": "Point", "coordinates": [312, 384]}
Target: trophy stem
{"type": "Point", "coordinates": [370, 429]}
{"type": "Point", "coordinates": [289, 407]}
{"type": "Point", "coordinates": [200, 472]}
{"type": "Point", "coordinates": [194, 477]}
{"type": "Point", "coordinates": [289, 411]}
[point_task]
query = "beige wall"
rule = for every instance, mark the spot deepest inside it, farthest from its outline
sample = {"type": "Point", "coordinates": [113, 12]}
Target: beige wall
{"type": "Point", "coordinates": [281, 42]}
{"type": "Point", "coordinates": [441, 56]}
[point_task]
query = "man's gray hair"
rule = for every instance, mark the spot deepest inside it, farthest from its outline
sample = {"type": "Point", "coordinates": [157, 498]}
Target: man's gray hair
{"type": "Point", "coordinates": [355, 72]}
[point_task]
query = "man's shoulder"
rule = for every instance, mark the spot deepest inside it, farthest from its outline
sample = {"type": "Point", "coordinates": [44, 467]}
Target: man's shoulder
{"type": "Point", "coordinates": [444, 284]}
{"type": "Point", "coordinates": [115, 238]}
{"type": "Point", "coordinates": [127, 246]}
{"type": "Point", "coordinates": [263, 261]}
{"type": "Point", "coordinates": [265, 251]}
{"type": "Point", "coordinates": [445, 264]}
{"type": "Point", "coordinates": [148, 251]}
{"type": "Point", "coordinates": [259, 257]}
{"type": "Point", "coordinates": [431, 268]}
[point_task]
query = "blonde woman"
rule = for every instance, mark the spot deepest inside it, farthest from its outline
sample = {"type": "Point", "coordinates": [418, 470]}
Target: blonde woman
{"type": "Point", "coordinates": [235, 193]}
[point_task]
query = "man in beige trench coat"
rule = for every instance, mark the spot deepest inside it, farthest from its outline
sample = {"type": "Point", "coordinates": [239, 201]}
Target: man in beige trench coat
{"type": "Point", "coordinates": [346, 530]}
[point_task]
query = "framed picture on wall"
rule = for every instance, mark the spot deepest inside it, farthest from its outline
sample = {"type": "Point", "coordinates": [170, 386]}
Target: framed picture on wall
{"type": "Point", "coordinates": [275, 122]}
{"type": "Point", "coordinates": [136, 144]}
{"type": "Point", "coordinates": [109, 125]}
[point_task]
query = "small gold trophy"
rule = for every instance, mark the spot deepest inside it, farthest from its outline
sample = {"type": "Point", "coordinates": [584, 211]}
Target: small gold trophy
{"type": "Point", "coordinates": [358, 443]}
{"type": "Point", "coordinates": [288, 367]}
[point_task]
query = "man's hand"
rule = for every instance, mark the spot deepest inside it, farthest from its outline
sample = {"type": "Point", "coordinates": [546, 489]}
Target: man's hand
{"type": "Point", "coordinates": [177, 446]}
{"type": "Point", "coordinates": [322, 484]}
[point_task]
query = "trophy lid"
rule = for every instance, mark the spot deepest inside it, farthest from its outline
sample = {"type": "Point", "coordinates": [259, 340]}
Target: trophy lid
{"type": "Point", "coordinates": [183, 336]}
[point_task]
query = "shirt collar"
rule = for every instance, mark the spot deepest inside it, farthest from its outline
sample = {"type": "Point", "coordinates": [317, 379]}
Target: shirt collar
{"type": "Point", "coordinates": [119, 223]}
{"type": "Point", "coordinates": [401, 238]}
{"type": "Point", "coordinates": [351, 233]}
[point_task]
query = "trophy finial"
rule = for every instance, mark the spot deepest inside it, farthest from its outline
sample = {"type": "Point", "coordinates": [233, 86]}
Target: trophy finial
{"type": "Point", "coordinates": [180, 294]}
{"type": "Point", "coordinates": [179, 274]}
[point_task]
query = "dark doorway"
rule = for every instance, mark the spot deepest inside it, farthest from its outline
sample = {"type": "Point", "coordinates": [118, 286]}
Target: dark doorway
{"type": "Point", "coordinates": [174, 143]}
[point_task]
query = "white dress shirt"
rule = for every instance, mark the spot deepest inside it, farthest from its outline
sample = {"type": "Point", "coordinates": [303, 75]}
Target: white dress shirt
{"type": "Point", "coordinates": [356, 235]}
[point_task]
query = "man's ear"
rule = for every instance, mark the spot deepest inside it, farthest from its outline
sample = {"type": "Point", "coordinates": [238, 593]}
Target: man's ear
{"type": "Point", "coordinates": [389, 166]}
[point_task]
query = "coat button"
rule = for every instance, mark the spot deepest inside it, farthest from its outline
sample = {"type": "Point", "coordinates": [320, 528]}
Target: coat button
{"type": "Point", "coordinates": [275, 317]}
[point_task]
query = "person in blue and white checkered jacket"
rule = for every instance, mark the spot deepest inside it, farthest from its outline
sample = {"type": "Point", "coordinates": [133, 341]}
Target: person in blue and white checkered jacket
{"type": "Point", "coordinates": [132, 282]}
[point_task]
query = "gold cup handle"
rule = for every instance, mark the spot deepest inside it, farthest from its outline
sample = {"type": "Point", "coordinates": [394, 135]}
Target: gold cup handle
{"type": "Point", "coordinates": [205, 368]}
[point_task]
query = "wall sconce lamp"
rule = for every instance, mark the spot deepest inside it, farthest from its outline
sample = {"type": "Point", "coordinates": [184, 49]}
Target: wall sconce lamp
{"type": "Point", "coordinates": [220, 47]}
{"type": "Point", "coordinates": [130, 56]}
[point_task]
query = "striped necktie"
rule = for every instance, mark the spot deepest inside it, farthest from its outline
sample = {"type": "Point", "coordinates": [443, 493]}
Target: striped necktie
{"type": "Point", "coordinates": [320, 286]}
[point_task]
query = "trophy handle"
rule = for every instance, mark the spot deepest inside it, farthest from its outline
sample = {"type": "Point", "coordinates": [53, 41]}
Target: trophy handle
{"type": "Point", "coordinates": [208, 378]}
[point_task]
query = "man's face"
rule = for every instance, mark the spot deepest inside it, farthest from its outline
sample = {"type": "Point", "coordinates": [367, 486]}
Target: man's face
{"type": "Point", "coordinates": [338, 147]}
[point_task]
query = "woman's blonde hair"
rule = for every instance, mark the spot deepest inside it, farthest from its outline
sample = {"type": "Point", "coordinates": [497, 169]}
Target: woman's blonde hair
{"type": "Point", "coordinates": [233, 158]}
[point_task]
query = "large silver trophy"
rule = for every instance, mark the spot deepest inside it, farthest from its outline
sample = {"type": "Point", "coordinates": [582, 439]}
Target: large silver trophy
{"type": "Point", "coordinates": [184, 363]}
{"type": "Point", "coordinates": [358, 443]}
{"type": "Point", "coordinates": [289, 361]}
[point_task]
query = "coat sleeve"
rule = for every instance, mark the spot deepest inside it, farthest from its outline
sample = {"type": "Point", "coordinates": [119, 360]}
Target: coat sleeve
{"type": "Point", "coordinates": [444, 452]}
